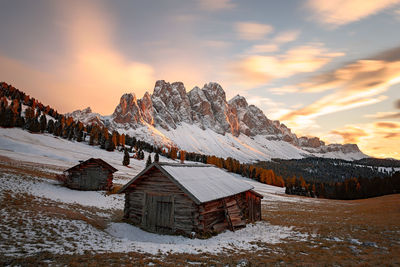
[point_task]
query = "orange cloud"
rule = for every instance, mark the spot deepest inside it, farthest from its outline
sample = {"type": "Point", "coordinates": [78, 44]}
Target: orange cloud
{"type": "Point", "coordinates": [384, 115]}
{"type": "Point", "coordinates": [351, 134]}
{"type": "Point", "coordinates": [392, 135]}
{"type": "Point", "coordinates": [356, 76]}
{"type": "Point", "coordinates": [389, 125]}
{"type": "Point", "coordinates": [91, 71]}
{"type": "Point", "coordinates": [355, 84]}
{"type": "Point", "coordinates": [374, 139]}
{"type": "Point", "coordinates": [256, 70]}
{"type": "Point", "coordinates": [273, 45]}
{"type": "Point", "coordinates": [339, 12]}
{"type": "Point", "coordinates": [286, 37]}
{"type": "Point", "coordinates": [252, 30]}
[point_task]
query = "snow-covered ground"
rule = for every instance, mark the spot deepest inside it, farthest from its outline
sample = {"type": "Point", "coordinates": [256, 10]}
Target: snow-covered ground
{"type": "Point", "coordinates": [41, 232]}
{"type": "Point", "coordinates": [243, 148]}
{"type": "Point", "coordinates": [21, 145]}
{"type": "Point", "coordinates": [60, 235]}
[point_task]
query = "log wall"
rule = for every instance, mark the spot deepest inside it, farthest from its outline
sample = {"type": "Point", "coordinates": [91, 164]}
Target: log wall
{"type": "Point", "coordinates": [153, 184]}
{"type": "Point", "coordinates": [90, 177]}
{"type": "Point", "coordinates": [229, 213]}
{"type": "Point", "coordinates": [153, 189]}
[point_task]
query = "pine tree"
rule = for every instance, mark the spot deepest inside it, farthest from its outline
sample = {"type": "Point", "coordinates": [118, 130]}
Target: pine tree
{"type": "Point", "coordinates": [50, 126]}
{"type": "Point", "coordinates": [126, 159]}
{"type": "Point", "coordinates": [43, 123]}
{"type": "Point", "coordinates": [109, 145]}
{"type": "Point", "coordinates": [156, 157]}
{"type": "Point", "coordinates": [148, 162]}
{"type": "Point", "coordinates": [10, 118]}
{"type": "Point", "coordinates": [80, 136]}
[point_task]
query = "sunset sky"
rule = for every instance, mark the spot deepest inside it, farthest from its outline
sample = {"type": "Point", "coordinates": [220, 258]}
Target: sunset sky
{"type": "Point", "coordinates": [326, 68]}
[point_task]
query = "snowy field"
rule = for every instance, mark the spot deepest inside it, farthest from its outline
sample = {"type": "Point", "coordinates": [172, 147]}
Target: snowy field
{"type": "Point", "coordinates": [44, 223]}
{"type": "Point", "coordinates": [243, 148]}
{"type": "Point", "coordinates": [44, 232]}
{"type": "Point", "coordinates": [41, 232]}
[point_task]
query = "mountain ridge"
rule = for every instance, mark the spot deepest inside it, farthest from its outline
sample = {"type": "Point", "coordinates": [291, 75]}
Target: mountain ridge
{"type": "Point", "coordinates": [171, 108]}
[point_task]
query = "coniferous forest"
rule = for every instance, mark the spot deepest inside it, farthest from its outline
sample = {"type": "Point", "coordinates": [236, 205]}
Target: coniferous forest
{"type": "Point", "coordinates": [313, 177]}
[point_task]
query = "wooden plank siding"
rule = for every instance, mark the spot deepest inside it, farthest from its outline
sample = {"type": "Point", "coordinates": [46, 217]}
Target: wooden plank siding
{"type": "Point", "coordinates": [156, 204]}
{"type": "Point", "coordinates": [154, 188]}
{"type": "Point", "coordinates": [90, 177]}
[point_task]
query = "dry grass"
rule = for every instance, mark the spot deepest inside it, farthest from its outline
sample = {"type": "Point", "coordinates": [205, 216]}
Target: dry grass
{"type": "Point", "coordinates": [115, 189]}
{"type": "Point", "coordinates": [340, 233]}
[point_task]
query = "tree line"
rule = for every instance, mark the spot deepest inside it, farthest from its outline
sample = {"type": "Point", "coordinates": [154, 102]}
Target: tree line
{"type": "Point", "coordinates": [327, 177]}
{"type": "Point", "coordinates": [351, 188]}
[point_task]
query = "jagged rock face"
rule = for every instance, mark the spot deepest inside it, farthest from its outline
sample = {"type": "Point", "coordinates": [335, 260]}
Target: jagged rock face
{"type": "Point", "coordinates": [313, 142]}
{"type": "Point", "coordinates": [86, 116]}
{"type": "Point", "coordinates": [252, 120]}
{"type": "Point", "coordinates": [146, 108]}
{"type": "Point", "coordinates": [285, 133]}
{"type": "Point", "coordinates": [217, 98]}
{"type": "Point", "coordinates": [170, 105]}
{"type": "Point", "coordinates": [127, 111]}
{"type": "Point", "coordinates": [201, 112]}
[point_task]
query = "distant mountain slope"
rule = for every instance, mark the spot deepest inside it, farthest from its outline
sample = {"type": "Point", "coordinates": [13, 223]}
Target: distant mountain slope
{"type": "Point", "coordinates": [203, 121]}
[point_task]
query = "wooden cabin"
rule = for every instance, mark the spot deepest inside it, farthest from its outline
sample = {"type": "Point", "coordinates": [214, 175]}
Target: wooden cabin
{"type": "Point", "coordinates": [175, 198]}
{"type": "Point", "coordinates": [92, 174]}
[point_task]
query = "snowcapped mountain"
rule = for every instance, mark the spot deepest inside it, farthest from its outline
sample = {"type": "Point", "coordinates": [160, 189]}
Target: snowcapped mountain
{"type": "Point", "coordinates": [86, 116]}
{"type": "Point", "coordinates": [203, 121]}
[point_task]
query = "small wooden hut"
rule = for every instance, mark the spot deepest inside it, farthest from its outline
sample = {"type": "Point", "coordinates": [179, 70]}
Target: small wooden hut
{"type": "Point", "coordinates": [182, 199]}
{"type": "Point", "coordinates": [92, 174]}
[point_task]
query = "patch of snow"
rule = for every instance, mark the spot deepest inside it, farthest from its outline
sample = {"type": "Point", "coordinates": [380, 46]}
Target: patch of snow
{"type": "Point", "coordinates": [355, 241]}
{"type": "Point", "coordinates": [240, 239]}
{"type": "Point", "coordinates": [50, 189]}
{"type": "Point", "coordinates": [21, 145]}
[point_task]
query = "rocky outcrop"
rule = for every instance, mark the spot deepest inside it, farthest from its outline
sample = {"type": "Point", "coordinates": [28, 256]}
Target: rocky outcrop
{"type": "Point", "coordinates": [170, 105]}
{"type": "Point", "coordinates": [128, 111]}
{"type": "Point", "coordinates": [86, 116]}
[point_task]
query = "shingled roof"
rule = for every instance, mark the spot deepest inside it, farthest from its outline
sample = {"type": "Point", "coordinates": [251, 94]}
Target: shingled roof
{"type": "Point", "coordinates": [202, 183]}
{"type": "Point", "coordinates": [93, 160]}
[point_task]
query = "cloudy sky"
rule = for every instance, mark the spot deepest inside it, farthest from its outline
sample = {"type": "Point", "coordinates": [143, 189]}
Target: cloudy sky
{"type": "Point", "coordinates": [327, 68]}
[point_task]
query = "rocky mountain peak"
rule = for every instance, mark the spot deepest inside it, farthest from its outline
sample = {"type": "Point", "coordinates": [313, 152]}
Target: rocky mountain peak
{"type": "Point", "coordinates": [170, 106]}
{"type": "Point", "coordinates": [85, 116]}
{"type": "Point", "coordinates": [87, 110]}
{"type": "Point", "coordinates": [214, 91]}
{"type": "Point", "coordinates": [128, 110]}
{"type": "Point", "coordinates": [146, 108]}
{"type": "Point", "coordinates": [238, 102]}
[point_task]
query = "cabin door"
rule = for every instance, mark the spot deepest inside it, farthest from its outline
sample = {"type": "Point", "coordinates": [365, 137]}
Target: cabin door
{"type": "Point", "coordinates": [159, 213]}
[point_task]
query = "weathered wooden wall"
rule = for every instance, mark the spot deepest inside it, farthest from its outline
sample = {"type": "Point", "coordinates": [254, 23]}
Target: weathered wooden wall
{"type": "Point", "coordinates": [213, 217]}
{"type": "Point", "coordinates": [253, 211]}
{"type": "Point", "coordinates": [91, 177]}
{"type": "Point", "coordinates": [229, 213]}
{"type": "Point", "coordinates": [154, 189]}
{"type": "Point", "coordinates": [156, 204]}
